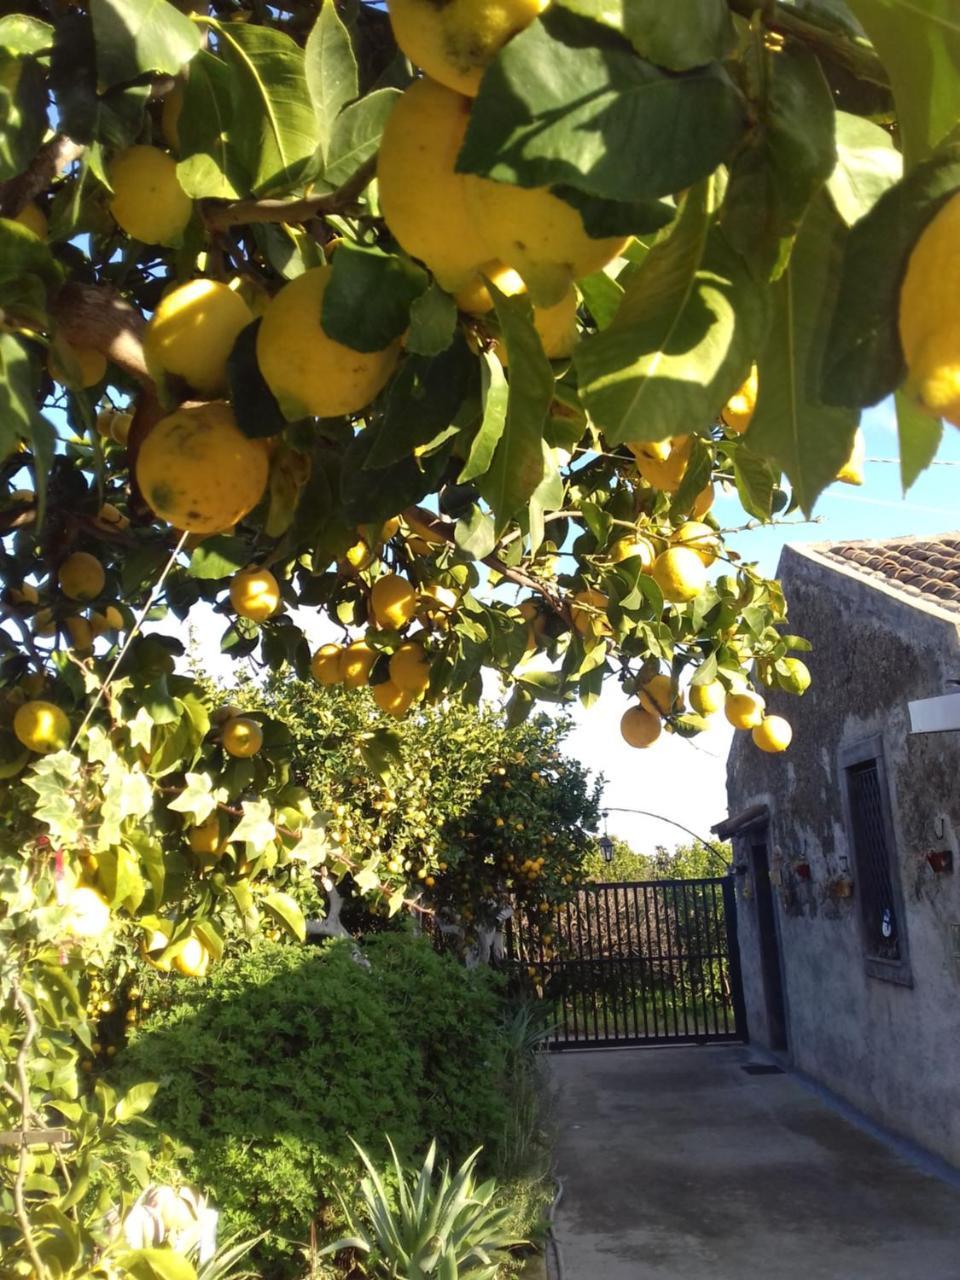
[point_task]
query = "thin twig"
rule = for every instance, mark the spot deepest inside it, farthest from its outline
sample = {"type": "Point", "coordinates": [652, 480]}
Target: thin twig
{"type": "Point", "coordinates": [49, 162]}
{"type": "Point", "coordinates": [241, 212]}
{"type": "Point", "coordinates": [20, 1207]}
{"type": "Point", "coordinates": [134, 630]}
{"type": "Point", "coordinates": [856, 55]}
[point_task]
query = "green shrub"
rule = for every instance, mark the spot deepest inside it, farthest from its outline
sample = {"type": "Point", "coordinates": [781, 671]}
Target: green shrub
{"type": "Point", "coordinates": [270, 1066]}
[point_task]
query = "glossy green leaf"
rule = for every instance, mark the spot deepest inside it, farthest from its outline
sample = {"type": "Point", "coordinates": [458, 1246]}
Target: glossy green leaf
{"type": "Point", "coordinates": [682, 340]}
{"type": "Point", "coordinates": [218, 557]}
{"type": "Point", "coordinates": [273, 129]}
{"type": "Point", "coordinates": [919, 436]}
{"type": "Point", "coordinates": [422, 400]}
{"type": "Point", "coordinates": [863, 360]}
{"type": "Point", "coordinates": [919, 44]}
{"type": "Point", "coordinates": [86, 115]}
{"type": "Point", "coordinates": [494, 393]}
{"type": "Point", "coordinates": [331, 69]}
{"type": "Point", "coordinates": [475, 534]}
{"type": "Point", "coordinates": [19, 417]}
{"type": "Point", "coordinates": [21, 33]}
{"type": "Point", "coordinates": [356, 134]}
{"type": "Point", "coordinates": [867, 165]}
{"type": "Point", "coordinates": [788, 156]}
{"type": "Point", "coordinates": [371, 497]}
{"type": "Point", "coordinates": [433, 320]}
{"type": "Point", "coordinates": [679, 35]}
{"type": "Point", "coordinates": [23, 112]}
{"type": "Point", "coordinates": [517, 466]}
{"type": "Point", "coordinates": [366, 304]}
{"type": "Point", "coordinates": [157, 1264]}
{"type": "Point", "coordinates": [137, 36]}
{"type": "Point", "coordinates": [809, 440]}
{"type": "Point", "coordinates": [548, 496]}
{"type": "Point", "coordinates": [618, 218]}
{"type": "Point", "coordinates": [254, 405]}
{"type": "Point", "coordinates": [284, 909]}
{"type": "Point", "coordinates": [564, 103]}
{"type": "Point", "coordinates": [755, 480]}
{"type": "Point", "coordinates": [136, 1101]}
{"type": "Point", "coordinates": [209, 164]}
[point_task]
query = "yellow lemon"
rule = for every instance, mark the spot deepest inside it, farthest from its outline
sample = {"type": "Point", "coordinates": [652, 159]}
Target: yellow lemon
{"type": "Point", "coordinates": [89, 913]}
{"type": "Point", "coordinates": [242, 737]}
{"type": "Point", "coordinates": [325, 664]}
{"type": "Point", "coordinates": [852, 470]}
{"type": "Point", "coordinates": [192, 332]}
{"type": "Point", "coordinates": [307, 371]}
{"type": "Point", "coordinates": [929, 323]}
{"type": "Point", "coordinates": [663, 463]}
{"type": "Point", "coordinates": [738, 411]}
{"type": "Point", "coordinates": [409, 668]}
{"type": "Point", "coordinates": [539, 235]}
{"type": "Point", "coordinates": [42, 727]}
{"type": "Point", "coordinates": [424, 201]}
{"type": "Point", "coordinates": [744, 709]}
{"type": "Point", "coordinates": [148, 201]}
{"type": "Point", "coordinates": [199, 472]}
{"type": "Point", "coordinates": [455, 42]}
{"type": "Point", "coordinates": [90, 366]}
{"type": "Point", "coordinates": [391, 699]}
{"type": "Point", "coordinates": [436, 600]}
{"type": "Point", "coordinates": [193, 958]}
{"type": "Point", "coordinates": [255, 594]}
{"type": "Point", "coordinates": [393, 601]}
{"type": "Point", "coordinates": [588, 610]}
{"type": "Point", "coordinates": [703, 501]}
{"type": "Point", "coordinates": [359, 555]}
{"type": "Point", "coordinates": [658, 696]}
{"type": "Point", "coordinates": [81, 576]}
{"type": "Point", "coordinates": [633, 548]}
{"type": "Point", "coordinates": [772, 734]}
{"type": "Point", "coordinates": [34, 219]}
{"type": "Point", "coordinates": [170, 116]}
{"type": "Point", "coordinates": [700, 538]}
{"type": "Point", "coordinates": [120, 426]}
{"type": "Point", "coordinates": [639, 727]}
{"type": "Point", "coordinates": [556, 325]}
{"type": "Point", "coordinates": [205, 839]}
{"type": "Point", "coordinates": [356, 663]}
{"type": "Point", "coordinates": [707, 699]}
{"type": "Point", "coordinates": [81, 635]}
{"type": "Point", "coordinates": [680, 574]}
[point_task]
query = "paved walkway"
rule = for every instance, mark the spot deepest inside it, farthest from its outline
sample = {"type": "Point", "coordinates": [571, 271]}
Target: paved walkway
{"type": "Point", "coordinates": [678, 1165]}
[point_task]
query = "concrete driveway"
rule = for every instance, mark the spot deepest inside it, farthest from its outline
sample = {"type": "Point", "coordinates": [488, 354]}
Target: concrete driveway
{"type": "Point", "coordinates": [678, 1165]}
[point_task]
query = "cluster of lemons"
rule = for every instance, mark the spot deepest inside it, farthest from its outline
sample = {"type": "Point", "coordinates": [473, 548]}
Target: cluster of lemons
{"type": "Point", "coordinates": [659, 698]}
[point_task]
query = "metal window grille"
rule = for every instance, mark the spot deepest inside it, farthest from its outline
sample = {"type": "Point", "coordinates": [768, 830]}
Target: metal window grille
{"type": "Point", "coordinates": [872, 850]}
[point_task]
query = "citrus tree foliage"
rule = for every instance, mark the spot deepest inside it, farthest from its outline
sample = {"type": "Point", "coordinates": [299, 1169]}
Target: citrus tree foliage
{"type": "Point", "coordinates": [685, 862]}
{"type": "Point", "coordinates": [455, 363]}
{"type": "Point", "coordinates": [452, 807]}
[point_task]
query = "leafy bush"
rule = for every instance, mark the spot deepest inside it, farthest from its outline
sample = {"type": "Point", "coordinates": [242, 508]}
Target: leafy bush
{"type": "Point", "coordinates": [274, 1063]}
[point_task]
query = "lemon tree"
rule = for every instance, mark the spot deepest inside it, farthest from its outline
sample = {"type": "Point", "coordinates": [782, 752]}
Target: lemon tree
{"type": "Point", "coordinates": [409, 349]}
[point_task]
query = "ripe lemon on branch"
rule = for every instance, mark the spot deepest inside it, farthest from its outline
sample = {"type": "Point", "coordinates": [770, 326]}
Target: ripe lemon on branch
{"type": "Point", "coordinates": [148, 200]}
{"type": "Point", "coordinates": [255, 594]}
{"type": "Point", "coordinates": [198, 471]}
{"type": "Point", "coordinates": [929, 320]}
{"type": "Point", "coordinates": [192, 332]}
{"type": "Point", "coordinates": [640, 727]}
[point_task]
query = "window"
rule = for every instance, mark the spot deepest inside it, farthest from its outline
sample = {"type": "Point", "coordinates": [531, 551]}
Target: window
{"type": "Point", "coordinates": [877, 869]}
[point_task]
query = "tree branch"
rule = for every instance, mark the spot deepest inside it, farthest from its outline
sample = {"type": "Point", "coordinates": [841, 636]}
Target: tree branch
{"type": "Point", "coordinates": [49, 162]}
{"type": "Point", "coordinates": [856, 56]}
{"type": "Point", "coordinates": [97, 316]}
{"type": "Point", "coordinates": [240, 212]}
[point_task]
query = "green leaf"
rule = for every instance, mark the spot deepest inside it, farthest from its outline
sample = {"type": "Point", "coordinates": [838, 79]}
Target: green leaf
{"type": "Point", "coordinates": [679, 35]}
{"type": "Point", "coordinates": [331, 69]}
{"type": "Point", "coordinates": [370, 497]}
{"type": "Point", "coordinates": [919, 437]}
{"type": "Point", "coordinates": [218, 557]}
{"type": "Point", "coordinates": [115, 117]}
{"type": "Point", "coordinates": [254, 405]}
{"type": "Point", "coordinates": [690, 320]}
{"type": "Point", "coordinates": [136, 1101]}
{"type": "Point", "coordinates": [566, 103]}
{"type": "Point", "coordinates": [474, 534]}
{"type": "Point", "coordinates": [494, 393]}
{"type": "Point", "coordinates": [273, 129]}
{"type": "Point", "coordinates": [18, 412]}
{"type": "Point", "coordinates": [755, 481]}
{"type": "Point", "coordinates": [21, 33]}
{"type": "Point", "coordinates": [381, 751]}
{"type": "Point", "coordinates": [787, 157]}
{"type": "Point", "coordinates": [695, 478]}
{"type": "Point", "coordinates": [422, 401]}
{"type": "Point", "coordinates": [615, 217]}
{"type": "Point", "coordinates": [863, 360]}
{"type": "Point", "coordinates": [256, 826]}
{"type": "Point", "coordinates": [919, 44]}
{"type": "Point", "coordinates": [209, 164]}
{"type": "Point", "coordinates": [156, 1264]}
{"type": "Point", "coordinates": [517, 466]}
{"type": "Point", "coordinates": [284, 909]}
{"type": "Point", "coordinates": [433, 319]}
{"type": "Point", "coordinates": [23, 112]}
{"type": "Point", "coordinates": [602, 296]}
{"type": "Point", "coordinates": [548, 496]}
{"type": "Point", "coordinates": [356, 135]}
{"type": "Point", "coordinates": [366, 304]}
{"type": "Point", "coordinates": [867, 165]}
{"type": "Point", "coordinates": [137, 36]}
{"type": "Point", "coordinates": [199, 798]}
{"type": "Point", "coordinates": [810, 441]}
{"type": "Point", "coordinates": [366, 880]}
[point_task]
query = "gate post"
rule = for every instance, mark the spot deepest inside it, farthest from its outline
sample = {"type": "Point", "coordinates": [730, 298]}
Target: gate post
{"type": "Point", "coordinates": [733, 957]}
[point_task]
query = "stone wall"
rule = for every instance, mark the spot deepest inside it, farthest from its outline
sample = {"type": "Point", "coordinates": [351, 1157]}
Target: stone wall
{"type": "Point", "coordinates": [891, 1050]}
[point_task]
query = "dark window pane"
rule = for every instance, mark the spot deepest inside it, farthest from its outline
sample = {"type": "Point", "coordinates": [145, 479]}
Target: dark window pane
{"type": "Point", "coordinates": [873, 857]}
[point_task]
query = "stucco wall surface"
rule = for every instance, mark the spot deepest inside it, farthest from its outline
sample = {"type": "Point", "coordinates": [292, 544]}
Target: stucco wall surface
{"type": "Point", "coordinates": [891, 1050]}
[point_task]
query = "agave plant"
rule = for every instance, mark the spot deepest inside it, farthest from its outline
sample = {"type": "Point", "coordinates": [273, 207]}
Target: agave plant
{"type": "Point", "coordinates": [449, 1229]}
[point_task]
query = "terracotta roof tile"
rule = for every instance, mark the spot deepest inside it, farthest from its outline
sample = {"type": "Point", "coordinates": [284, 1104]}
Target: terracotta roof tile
{"type": "Point", "coordinates": [925, 567]}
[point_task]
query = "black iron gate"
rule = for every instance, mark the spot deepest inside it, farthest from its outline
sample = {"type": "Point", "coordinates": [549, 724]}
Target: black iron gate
{"type": "Point", "coordinates": [654, 962]}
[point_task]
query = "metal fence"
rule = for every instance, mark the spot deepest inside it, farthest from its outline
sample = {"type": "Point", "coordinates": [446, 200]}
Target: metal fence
{"type": "Point", "coordinates": [653, 962]}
